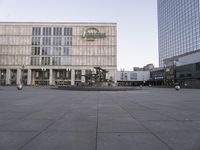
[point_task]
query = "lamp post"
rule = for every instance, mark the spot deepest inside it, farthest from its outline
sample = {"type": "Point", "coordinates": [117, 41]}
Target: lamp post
{"type": "Point", "coordinates": [122, 76]}
{"type": "Point", "coordinates": [43, 71]}
{"type": "Point", "coordinates": [164, 74]}
{"type": "Point", "coordinates": [22, 77]}
{"type": "Point", "coordinates": [2, 78]}
{"type": "Point", "coordinates": [177, 86]}
{"type": "Point", "coordinates": [20, 85]}
{"type": "Point", "coordinates": [174, 70]}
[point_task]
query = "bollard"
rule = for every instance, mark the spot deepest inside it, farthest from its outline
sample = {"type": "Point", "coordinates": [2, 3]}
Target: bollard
{"type": "Point", "coordinates": [19, 87]}
{"type": "Point", "coordinates": [177, 87]}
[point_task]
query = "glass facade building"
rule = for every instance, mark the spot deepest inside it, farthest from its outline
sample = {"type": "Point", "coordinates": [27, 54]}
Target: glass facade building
{"type": "Point", "coordinates": [178, 27]}
{"type": "Point", "coordinates": [56, 53]}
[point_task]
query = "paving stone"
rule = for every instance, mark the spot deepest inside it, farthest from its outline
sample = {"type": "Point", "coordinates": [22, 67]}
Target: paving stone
{"type": "Point", "coordinates": [129, 141]}
{"type": "Point", "coordinates": [26, 125]}
{"type": "Point", "coordinates": [14, 140]}
{"type": "Point", "coordinates": [119, 123]}
{"type": "Point", "coordinates": [12, 115]}
{"type": "Point", "coordinates": [171, 126]}
{"type": "Point", "coordinates": [150, 115]}
{"type": "Point", "coordinates": [45, 115]}
{"type": "Point", "coordinates": [62, 141]}
{"type": "Point", "coordinates": [181, 140]}
{"type": "Point", "coordinates": [75, 123]}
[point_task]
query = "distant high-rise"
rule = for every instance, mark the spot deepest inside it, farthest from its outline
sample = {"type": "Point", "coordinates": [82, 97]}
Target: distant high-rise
{"type": "Point", "coordinates": [178, 27]}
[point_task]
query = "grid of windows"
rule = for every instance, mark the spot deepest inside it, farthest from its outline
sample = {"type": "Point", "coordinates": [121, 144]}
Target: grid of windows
{"type": "Point", "coordinates": [178, 27]}
{"type": "Point", "coordinates": [45, 42]}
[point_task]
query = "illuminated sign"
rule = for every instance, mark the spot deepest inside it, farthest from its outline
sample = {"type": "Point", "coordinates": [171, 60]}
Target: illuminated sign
{"type": "Point", "coordinates": [90, 34]}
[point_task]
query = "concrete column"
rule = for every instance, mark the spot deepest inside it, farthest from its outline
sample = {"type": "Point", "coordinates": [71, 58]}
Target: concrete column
{"type": "Point", "coordinates": [51, 77]}
{"type": "Point", "coordinates": [115, 76]}
{"type": "Point", "coordinates": [7, 76]}
{"type": "Point", "coordinates": [29, 77]}
{"type": "Point", "coordinates": [83, 77]}
{"type": "Point", "coordinates": [72, 76]}
{"type": "Point", "coordinates": [19, 76]}
{"type": "Point", "coordinates": [33, 77]}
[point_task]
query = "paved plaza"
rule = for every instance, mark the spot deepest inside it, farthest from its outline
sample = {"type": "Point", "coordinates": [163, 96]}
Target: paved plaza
{"type": "Point", "coordinates": [39, 118]}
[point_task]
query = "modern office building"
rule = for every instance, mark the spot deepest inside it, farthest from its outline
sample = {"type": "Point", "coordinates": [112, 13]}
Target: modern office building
{"type": "Point", "coordinates": [55, 53]}
{"type": "Point", "coordinates": [178, 28]}
{"type": "Point", "coordinates": [177, 68]}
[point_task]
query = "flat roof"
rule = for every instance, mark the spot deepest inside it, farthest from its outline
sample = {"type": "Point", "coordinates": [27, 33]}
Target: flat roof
{"type": "Point", "coordinates": [73, 23]}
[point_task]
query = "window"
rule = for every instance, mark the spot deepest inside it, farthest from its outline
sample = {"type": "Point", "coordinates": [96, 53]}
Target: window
{"type": "Point", "coordinates": [36, 74]}
{"type": "Point", "coordinates": [46, 41]}
{"type": "Point", "coordinates": [68, 74]}
{"type": "Point", "coordinates": [77, 74]}
{"type": "Point", "coordinates": [45, 60]}
{"type": "Point", "coordinates": [35, 51]}
{"type": "Point", "coordinates": [56, 61]}
{"type": "Point", "coordinates": [47, 31]}
{"type": "Point", "coordinates": [66, 61]}
{"type": "Point", "coordinates": [36, 31]}
{"type": "Point", "coordinates": [68, 31]}
{"type": "Point", "coordinates": [68, 41]}
{"type": "Point", "coordinates": [35, 40]}
{"type": "Point", "coordinates": [46, 50]}
{"type": "Point", "coordinates": [133, 76]}
{"type": "Point", "coordinates": [57, 41]}
{"type": "Point", "coordinates": [57, 31]}
{"type": "Point", "coordinates": [198, 67]}
{"type": "Point", "coordinates": [67, 51]}
{"type": "Point", "coordinates": [182, 75]}
{"type": "Point", "coordinates": [35, 61]}
{"type": "Point", "coordinates": [57, 51]}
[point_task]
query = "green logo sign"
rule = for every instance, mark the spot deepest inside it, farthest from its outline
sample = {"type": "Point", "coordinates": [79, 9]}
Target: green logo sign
{"type": "Point", "coordinates": [90, 34]}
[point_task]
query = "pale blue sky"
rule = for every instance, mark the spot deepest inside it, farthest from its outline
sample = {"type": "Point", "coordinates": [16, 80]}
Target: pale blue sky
{"type": "Point", "coordinates": [136, 22]}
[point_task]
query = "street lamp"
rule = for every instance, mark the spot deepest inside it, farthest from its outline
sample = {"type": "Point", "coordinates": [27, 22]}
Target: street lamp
{"type": "Point", "coordinates": [43, 71]}
{"type": "Point", "coordinates": [2, 78]}
{"type": "Point", "coordinates": [20, 85]}
{"type": "Point", "coordinates": [164, 74]}
{"type": "Point", "coordinates": [22, 77]}
{"type": "Point", "coordinates": [177, 86]}
{"type": "Point", "coordinates": [174, 70]}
